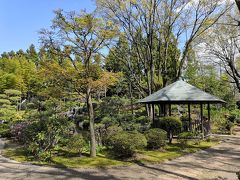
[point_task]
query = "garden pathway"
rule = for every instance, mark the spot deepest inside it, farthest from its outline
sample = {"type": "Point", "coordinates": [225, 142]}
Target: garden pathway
{"type": "Point", "coordinates": [219, 162]}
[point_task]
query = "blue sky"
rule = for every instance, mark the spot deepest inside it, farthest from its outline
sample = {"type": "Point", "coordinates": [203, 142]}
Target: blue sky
{"type": "Point", "coordinates": [20, 20]}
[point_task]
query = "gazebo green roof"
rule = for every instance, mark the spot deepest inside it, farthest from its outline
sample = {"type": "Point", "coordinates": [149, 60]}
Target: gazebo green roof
{"type": "Point", "coordinates": [181, 92]}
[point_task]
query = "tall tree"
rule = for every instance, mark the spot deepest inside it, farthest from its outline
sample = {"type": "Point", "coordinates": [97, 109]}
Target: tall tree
{"type": "Point", "coordinates": [222, 47]}
{"type": "Point", "coordinates": [84, 36]}
{"type": "Point", "coordinates": [152, 27]}
{"type": "Point", "coordinates": [143, 22]}
{"type": "Point", "coordinates": [32, 54]}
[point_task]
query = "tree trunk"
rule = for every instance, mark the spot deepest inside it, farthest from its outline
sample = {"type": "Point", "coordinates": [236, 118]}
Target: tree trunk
{"type": "Point", "coordinates": [91, 123]}
{"type": "Point", "coordinates": [147, 110]}
{"type": "Point", "coordinates": [170, 137]}
{"type": "Point", "coordinates": [151, 111]}
{"type": "Point", "coordinates": [131, 96]}
{"type": "Point", "coordinates": [105, 92]}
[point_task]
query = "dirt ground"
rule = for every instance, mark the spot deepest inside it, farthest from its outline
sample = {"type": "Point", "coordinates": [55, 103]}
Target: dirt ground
{"type": "Point", "coordinates": [219, 162]}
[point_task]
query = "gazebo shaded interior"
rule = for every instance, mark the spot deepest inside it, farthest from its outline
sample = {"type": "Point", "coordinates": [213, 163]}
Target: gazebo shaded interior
{"type": "Point", "coordinates": [182, 92]}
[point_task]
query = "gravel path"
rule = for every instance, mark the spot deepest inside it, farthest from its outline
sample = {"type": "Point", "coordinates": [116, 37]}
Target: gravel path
{"type": "Point", "coordinates": [219, 162]}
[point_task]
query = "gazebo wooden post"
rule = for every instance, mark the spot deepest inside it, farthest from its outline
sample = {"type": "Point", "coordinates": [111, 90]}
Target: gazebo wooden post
{"type": "Point", "coordinates": [164, 110]}
{"type": "Point", "coordinates": [153, 116]}
{"type": "Point", "coordinates": [189, 117]}
{"type": "Point", "coordinates": [159, 109]}
{"type": "Point", "coordinates": [169, 110]}
{"type": "Point", "coordinates": [209, 119]}
{"type": "Point", "coordinates": [201, 109]}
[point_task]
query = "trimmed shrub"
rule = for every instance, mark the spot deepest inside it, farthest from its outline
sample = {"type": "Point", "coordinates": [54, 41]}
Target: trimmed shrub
{"type": "Point", "coordinates": [110, 131]}
{"type": "Point", "coordinates": [236, 115]}
{"type": "Point", "coordinates": [5, 101]}
{"type": "Point", "coordinates": [127, 122]}
{"type": "Point", "coordinates": [125, 144]}
{"type": "Point", "coordinates": [5, 130]}
{"type": "Point", "coordinates": [156, 138]}
{"type": "Point", "coordinates": [108, 121]}
{"type": "Point", "coordinates": [43, 136]}
{"type": "Point", "coordinates": [184, 137]}
{"type": "Point", "coordinates": [172, 125]}
{"type": "Point", "coordinates": [76, 144]}
{"type": "Point", "coordinates": [143, 120]}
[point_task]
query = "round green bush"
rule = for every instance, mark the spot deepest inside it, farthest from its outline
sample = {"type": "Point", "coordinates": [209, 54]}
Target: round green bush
{"type": "Point", "coordinates": [108, 121]}
{"type": "Point", "coordinates": [125, 144]}
{"type": "Point", "coordinates": [5, 130]}
{"type": "Point", "coordinates": [184, 137]}
{"type": "Point", "coordinates": [156, 138]}
{"type": "Point", "coordinates": [110, 131]}
{"type": "Point", "coordinates": [143, 120]}
{"type": "Point", "coordinates": [170, 124]}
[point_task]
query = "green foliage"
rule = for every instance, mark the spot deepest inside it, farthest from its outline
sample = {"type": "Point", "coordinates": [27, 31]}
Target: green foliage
{"type": "Point", "coordinates": [127, 122]}
{"type": "Point", "coordinates": [206, 78]}
{"type": "Point", "coordinates": [12, 92]}
{"type": "Point", "coordinates": [185, 122]}
{"type": "Point", "coordinates": [229, 126]}
{"type": "Point", "coordinates": [18, 132]}
{"type": "Point", "coordinates": [8, 106]}
{"type": "Point", "coordinates": [110, 132]}
{"type": "Point", "coordinates": [231, 118]}
{"type": "Point", "coordinates": [18, 74]}
{"type": "Point", "coordinates": [5, 130]}
{"type": "Point", "coordinates": [112, 106]}
{"type": "Point", "coordinates": [76, 143]}
{"type": "Point", "coordinates": [170, 124]}
{"type": "Point", "coordinates": [105, 160]}
{"type": "Point", "coordinates": [59, 78]}
{"type": "Point", "coordinates": [156, 138]}
{"type": "Point", "coordinates": [42, 135]}
{"type": "Point", "coordinates": [143, 120]}
{"type": "Point", "coordinates": [184, 118]}
{"type": "Point", "coordinates": [15, 99]}
{"type": "Point", "coordinates": [184, 137]}
{"type": "Point", "coordinates": [219, 120]}
{"type": "Point", "coordinates": [125, 144]}
{"type": "Point", "coordinates": [224, 120]}
{"type": "Point", "coordinates": [108, 121]}
{"type": "Point", "coordinates": [5, 101]}
{"type": "Point", "coordinates": [3, 96]}
{"type": "Point", "coordinates": [234, 115]}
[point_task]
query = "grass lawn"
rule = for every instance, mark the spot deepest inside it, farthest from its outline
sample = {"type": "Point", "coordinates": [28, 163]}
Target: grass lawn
{"type": "Point", "coordinates": [173, 151]}
{"type": "Point", "coordinates": [63, 159]}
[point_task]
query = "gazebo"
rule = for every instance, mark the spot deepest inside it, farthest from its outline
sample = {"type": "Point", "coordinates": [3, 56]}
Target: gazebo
{"type": "Point", "coordinates": [181, 92]}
